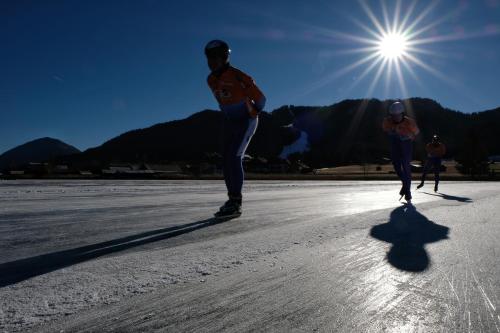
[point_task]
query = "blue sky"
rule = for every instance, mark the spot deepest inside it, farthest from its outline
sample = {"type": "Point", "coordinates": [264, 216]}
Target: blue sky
{"type": "Point", "coordinates": [86, 71]}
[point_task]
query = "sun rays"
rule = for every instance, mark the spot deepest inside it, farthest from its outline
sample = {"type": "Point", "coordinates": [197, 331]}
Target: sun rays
{"type": "Point", "coordinates": [397, 42]}
{"type": "Point", "coordinates": [396, 45]}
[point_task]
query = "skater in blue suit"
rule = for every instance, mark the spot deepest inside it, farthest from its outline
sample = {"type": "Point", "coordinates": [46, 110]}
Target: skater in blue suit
{"type": "Point", "coordinates": [241, 101]}
{"type": "Point", "coordinates": [402, 131]}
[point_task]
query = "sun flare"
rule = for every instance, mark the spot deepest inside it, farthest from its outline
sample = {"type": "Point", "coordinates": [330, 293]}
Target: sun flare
{"type": "Point", "coordinates": [397, 44]}
{"type": "Point", "coordinates": [392, 46]}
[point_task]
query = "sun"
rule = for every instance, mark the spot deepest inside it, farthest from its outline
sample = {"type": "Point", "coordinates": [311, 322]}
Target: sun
{"type": "Point", "coordinates": [392, 46]}
{"type": "Point", "coordinates": [396, 44]}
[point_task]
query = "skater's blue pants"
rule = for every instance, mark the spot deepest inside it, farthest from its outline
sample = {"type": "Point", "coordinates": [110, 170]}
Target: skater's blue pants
{"type": "Point", "coordinates": [237, 135]}
{"type": "Point", "coordinates": [432, 163]}
{"type": "Point", "coordinates": [401, 154]}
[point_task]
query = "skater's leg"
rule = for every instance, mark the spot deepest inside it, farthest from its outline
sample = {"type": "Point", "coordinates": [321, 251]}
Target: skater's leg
{"type": "Point", "coordinates": [398, 168]}
{"type": "Point", "coordinates": [396, 157]}
{"type": "Point", "coordinates": [437, 170]}
{"type": "Point", "coordinates": [396, 163]}
{"type": "Point", "coordinates": [243, 131]}
{"type": "Point", "coordinates": [237, 176]}
{"type": "Point", "coordinates": [427, 167]}
{"type": "Point", "coordinates": [407, 147]}
{"type": "Point", "coordinates": [238, 171]}
{"type": "Point", "coordinates": [226, 168]}
{"type": "Point", "coordinates": [234, 130]}
{"type": "Point", "coordinates": [230, 138]}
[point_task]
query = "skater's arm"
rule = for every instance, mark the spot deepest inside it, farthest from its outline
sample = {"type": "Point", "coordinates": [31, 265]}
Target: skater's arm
{"type": "Point", "coordinates": [414, 130]}
{"type": "Point", "coordinates": [255, 94]}
{"type": "Point", "coordinates": [252, 91]}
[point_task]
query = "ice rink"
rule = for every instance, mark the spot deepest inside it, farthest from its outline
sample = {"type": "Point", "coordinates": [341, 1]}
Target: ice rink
{"type": "Point", "coordinates": [325, 256]}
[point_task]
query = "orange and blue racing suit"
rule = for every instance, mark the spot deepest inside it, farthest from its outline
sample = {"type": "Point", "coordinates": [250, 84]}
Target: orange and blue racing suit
{"type": "Point", "coordinates": [402, 135]}
{"type": "Point", "coordinates": [240, 100]}
{"type": "Point", "coordinates": [435, 152]}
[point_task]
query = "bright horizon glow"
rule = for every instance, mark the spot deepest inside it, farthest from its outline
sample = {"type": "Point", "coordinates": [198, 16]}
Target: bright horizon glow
{"type": "Point", "coordinates": [393, 46]}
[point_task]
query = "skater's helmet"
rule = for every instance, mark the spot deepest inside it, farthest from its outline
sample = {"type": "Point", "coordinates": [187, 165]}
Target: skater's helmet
{"type": "Point", "coordinates": [217, 48]}
{"type": "Point", "coordinates": [435, 138]}
{"type": "Point", "coordinates": [396, 108]}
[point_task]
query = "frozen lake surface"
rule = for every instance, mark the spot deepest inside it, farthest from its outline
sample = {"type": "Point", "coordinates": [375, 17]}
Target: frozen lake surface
{"type": "Point", "coordinates": [131, 256]}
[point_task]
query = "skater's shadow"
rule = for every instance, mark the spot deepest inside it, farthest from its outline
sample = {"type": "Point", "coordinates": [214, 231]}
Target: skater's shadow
{"type": "Point", "coordinates": [23, 269]}
{"type": "Point", "coordinates": [449, 197]}
{"type": "Point", "coordinates": [409, 231]}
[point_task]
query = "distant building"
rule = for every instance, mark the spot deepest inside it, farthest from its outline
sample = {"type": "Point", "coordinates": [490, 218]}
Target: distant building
{"type": "Point", "coordinates": [61, 169]}
{"type": "Point", "coordinates": [120, 168]}
{"type": "Point", "coordinates": [117, 169]}
{"type": "Point", "coordinates": [164, 168]}
{"type": "Point", "coordinates": [142, 169]}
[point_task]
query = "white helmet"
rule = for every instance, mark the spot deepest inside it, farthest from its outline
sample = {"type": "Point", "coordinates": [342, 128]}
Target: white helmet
{"type": "Point", "coordinates": [396, 108]}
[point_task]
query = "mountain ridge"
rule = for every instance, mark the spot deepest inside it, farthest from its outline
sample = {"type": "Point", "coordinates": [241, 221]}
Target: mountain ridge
{"type": "Point", "coordinates": [36, 151]}
{"type": "Point", "coordinates": [347, 132]}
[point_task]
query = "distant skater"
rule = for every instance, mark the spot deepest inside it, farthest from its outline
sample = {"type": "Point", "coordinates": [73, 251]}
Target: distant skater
{"type": "Point", "coordinates": [435, 152]}
{"type": "Point", "coordinates": [402, 131]}
{"type": "Point", "coordinates": [241, 101]}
